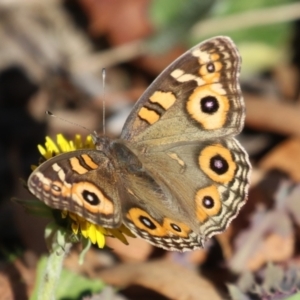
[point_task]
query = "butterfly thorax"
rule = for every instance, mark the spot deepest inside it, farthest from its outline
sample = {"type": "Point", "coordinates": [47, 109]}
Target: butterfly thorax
{"type": "Point", "coordinates": [102, 143]}
{"type": "Point", "coordinates": [119, 154]}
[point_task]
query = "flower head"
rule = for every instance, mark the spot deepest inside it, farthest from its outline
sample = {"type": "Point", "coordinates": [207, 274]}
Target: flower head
{"type": "Point", "coordinates": [79, 226]}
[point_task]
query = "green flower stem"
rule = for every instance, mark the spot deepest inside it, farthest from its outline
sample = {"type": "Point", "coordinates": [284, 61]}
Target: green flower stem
{"type": "Point", "coordinates": [49, 282]}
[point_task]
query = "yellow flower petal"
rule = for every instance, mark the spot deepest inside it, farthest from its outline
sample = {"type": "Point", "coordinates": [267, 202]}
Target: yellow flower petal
{"type": "Point", "coordinates": [64, 214]}
{"type": "Point", "coordinates": [33, 167]}
{"type": "Point", "coordinates": [101, 229]}
{"type": "Point", "coordinates": [89, 143]}
{"type": "Point", "coordinates": [84, 227]}
{"type": "Point", "coordinates": [126, 231]}
{"type": "Point", "coordinates": [116, 233]}
{"type": "Point", "coordinates": [78, 142]}
{"type": "Point", "coordinates": [92, 233]}
{"type": "Point", "coordinates": [45, 152]}
{"type": "Point", "coordinates": [100, 239]}
{"type": "Point", "coordinates": [63, 143]}
{"type": "Point", "coordinates": [51, 146]}
{"type": "Point", "coordinates": [72, 146]}
{"type": "Point", "coordinates": [75, 227]}
{"type": "Point", "coordinates": [42, 150]}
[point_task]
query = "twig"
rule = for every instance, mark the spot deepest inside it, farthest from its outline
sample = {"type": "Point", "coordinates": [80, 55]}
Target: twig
{"type": "Point", "coordinates": [271, 115]}
{"type": "Point", "coordinates": [113, 56]}
{"type": "Point", "coordinates": [253, 18]}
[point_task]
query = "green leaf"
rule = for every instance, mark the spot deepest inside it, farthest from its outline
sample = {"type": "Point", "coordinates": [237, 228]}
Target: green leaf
{"type": "Point", "coordinates": [34, 207]}
{"type": "Point", "coordinates": [173, 19]}
{"type": "Point", "coordinates": [236, 293]}
{"type": "Point", "coordinates": [164, 12]}
{"type": "Point", "coordinates": [74, 286]}
{"type": "Point", "coordinates": [294, 297]}
{"type": "Point", "coordinates": [71, 285]}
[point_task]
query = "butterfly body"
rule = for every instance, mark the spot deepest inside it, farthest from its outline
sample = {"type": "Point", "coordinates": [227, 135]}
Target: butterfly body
{"type": "Point", "coordinates": [177, 175]}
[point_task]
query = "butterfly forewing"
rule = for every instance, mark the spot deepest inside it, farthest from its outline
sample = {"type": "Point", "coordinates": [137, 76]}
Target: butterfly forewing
{"type": "Point", "coordinates": [82, 182]}
{"type": "Point", "coordinates": [196, 97]}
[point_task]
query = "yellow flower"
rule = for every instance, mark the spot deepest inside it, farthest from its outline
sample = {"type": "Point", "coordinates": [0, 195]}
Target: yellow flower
{"type": "Point", "coordinates": [62, 145]}
{"type": "Point", "coordinates": [95, 233]}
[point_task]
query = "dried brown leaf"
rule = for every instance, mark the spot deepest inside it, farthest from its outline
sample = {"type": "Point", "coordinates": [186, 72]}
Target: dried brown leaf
{"type": "Point", "coordinates": [167, 278]}
{"type": "Point", "coordinates": [284, 157]}
{"type": "Point", "coordinates": [269, 238]}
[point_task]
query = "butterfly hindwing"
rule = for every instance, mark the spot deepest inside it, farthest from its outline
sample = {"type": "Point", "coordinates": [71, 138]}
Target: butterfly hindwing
{"type": "Point", "coordinates": [198, 189]}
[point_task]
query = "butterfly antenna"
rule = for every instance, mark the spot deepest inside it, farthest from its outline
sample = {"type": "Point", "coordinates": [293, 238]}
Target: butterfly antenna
{"type": "Point", "coordinates": [92, 133]}
{"type": "Point", "coordinates": [103, 101]}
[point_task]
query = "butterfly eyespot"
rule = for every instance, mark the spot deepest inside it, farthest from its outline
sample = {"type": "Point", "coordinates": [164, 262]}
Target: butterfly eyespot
{"type": "Point", "coordinates": [208, 202]}
{"type": "Point", "coordinates": [39, 184]}
{"type": "Point", "coordinates": [147, 222]}
{"type": "Point", "coordinates": [90, 197]}
{"type": "Point", "coordinates": [175, 227]}
{"type": "Point", "coordinates": [143, 221]}
{"type": "Point", "coordinates": [210, 67]}
{"type": "Point", "coordinates": [219, 164]}
{"type": "Point", "coordinates": [209, 104]}
{"type": "Point", "coordinates": [56, 188]}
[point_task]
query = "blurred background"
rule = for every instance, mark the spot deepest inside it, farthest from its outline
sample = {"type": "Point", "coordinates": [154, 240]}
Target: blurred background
{"type": "Point", "coordinates": [51, 56]}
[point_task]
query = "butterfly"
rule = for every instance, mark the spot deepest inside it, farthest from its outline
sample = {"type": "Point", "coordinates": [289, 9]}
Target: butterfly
{"type": "Point", "coordinates": [176, 176]}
